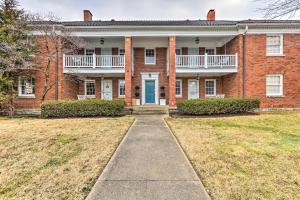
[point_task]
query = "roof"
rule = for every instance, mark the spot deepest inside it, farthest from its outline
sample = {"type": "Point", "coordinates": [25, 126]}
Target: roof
{"type": "Point", "coordinates": [166, 23]}
{"type": "Point", "coordinates": [151, 23]}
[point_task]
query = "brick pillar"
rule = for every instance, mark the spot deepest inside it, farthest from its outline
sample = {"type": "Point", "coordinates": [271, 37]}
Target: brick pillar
{"type": "Point", "coordinates": [128, 71]}
{"type": "Point", "coordinates": [172, 72]}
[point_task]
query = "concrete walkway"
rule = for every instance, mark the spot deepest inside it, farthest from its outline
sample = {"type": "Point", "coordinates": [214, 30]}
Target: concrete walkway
{"type": "Point", "coordinates": [148, 164]}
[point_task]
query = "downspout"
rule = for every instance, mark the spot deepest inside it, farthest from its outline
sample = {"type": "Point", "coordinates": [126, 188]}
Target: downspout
{"type": "Point", "coordinates": [56, 69]}
{"type": "Point", "coordinates": [244, 61]}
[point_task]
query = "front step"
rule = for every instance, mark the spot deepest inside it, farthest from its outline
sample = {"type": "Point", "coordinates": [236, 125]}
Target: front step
{"type": "Point", "coordinates": [150, 110]}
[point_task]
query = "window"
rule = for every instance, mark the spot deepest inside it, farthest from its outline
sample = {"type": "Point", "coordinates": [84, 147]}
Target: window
{"type": "Point", "coordinates": [121, 88]}
{"type": "Point", "coordinates": [121, 52]}
{"type": "Point", "coordinates": [210, 87]}
{"type": "Point", "coordinates": [150, 56]}
{"type": "Point", "coordinates": [274, 44]}
{"type": "Point", "coordinates": [26, 87]}
{"type": "Point", "coordinates": [178, 88]}
{"type": "Point", "coordinates": [89, 52]}
{"type": "Point", "coordinates": [274, 85]}
{"type": "Point", "coordinates": [178, 51]}
{"type": "Point", "coordinates": [90, 88]}
{"type": "Point", "coordinates": [210, 51]}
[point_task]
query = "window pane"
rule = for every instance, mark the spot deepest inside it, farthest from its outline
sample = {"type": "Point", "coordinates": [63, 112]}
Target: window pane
{"type": "Point", "coordinates": [273, 44]}
{"type": "Point", "coordinates": [27, 86]}
{"type": "Point", "coordinates": [90, 88]}
{"type": "Point", "coordinates": [121, 87]}
{"type": "Point", "coordinates": [89, 52]}
{"type": "Point", "coordinates": [273, 85]}
{"type": "Point", "coordinates": [178, 88]}
{"type": "Point", "coordinates": [210, 51]}
{"type": "Point", "coordinates": [178, 51]}
{"type": "Point", "coordinates": [210, 87]}
{"type": "Point", "coordinates": [122, 52]}
{"type": "Point", "coordinates": [150, 56]}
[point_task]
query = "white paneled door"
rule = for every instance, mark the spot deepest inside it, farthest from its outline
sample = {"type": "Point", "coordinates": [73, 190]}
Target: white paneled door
{"type": "Point", "coordinates": [107, 90]}
{"type": "Point", "coordinates": [193, 89]}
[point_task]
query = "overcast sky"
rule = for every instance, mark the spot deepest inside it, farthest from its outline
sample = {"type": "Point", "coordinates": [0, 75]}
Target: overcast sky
{"type": "Point", "coordinates": [69, 10]}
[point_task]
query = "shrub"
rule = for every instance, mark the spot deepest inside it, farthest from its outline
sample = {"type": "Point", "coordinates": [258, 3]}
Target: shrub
{"type": "Point", "coordinates": [217, 106]}
{"type": "Point", "coordinates": [85, 108]}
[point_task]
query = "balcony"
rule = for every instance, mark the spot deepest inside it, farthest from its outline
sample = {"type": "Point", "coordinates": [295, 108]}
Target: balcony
{"type": "Point", "coordinates": [206, 63]}
{"type": "Point", "coordinates": [91, 64]}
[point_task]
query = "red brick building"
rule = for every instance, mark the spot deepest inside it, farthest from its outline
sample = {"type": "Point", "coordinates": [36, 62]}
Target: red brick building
{"type": "Point", "coordinates": [167, 61]}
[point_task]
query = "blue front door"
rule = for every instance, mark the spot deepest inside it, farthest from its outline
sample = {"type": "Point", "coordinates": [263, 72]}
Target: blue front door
{"type": "Point", "coordinates": [150, 91]}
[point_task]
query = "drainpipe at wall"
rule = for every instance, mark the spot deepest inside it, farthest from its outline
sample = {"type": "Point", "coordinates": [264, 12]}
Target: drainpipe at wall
{"type": "Point", "coordinates": [56, 68]}
{"type": "Point", "coordinates": [244, 61]}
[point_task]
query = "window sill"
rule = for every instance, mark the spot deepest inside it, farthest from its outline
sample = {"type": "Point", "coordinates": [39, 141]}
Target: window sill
{"type": "Point", "coordinates": [275, 96]}
{"type": "Point", "coordinates": [90, 96]}
{"type": "Point", "coordinates": [150, 63]}
{"type": "Point", "coordinates": [26, 97]}
{"type": "Point", "coordinates": [275, 55]}
{"type": "Point", "coordinates": [121, 97]}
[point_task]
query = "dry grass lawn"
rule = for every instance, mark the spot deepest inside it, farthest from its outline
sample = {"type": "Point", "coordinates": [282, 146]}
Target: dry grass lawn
{"type": "Point", "coordinates": [55, 159]}
{"type": "Point", "coordinates": [244, 157]}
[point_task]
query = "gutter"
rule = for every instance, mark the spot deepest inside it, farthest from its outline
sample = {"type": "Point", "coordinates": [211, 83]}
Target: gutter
{"type": "Point", "coordinates": [244, 61]}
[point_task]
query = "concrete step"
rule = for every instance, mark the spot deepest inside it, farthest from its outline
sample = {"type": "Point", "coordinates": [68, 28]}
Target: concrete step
{"type": "Point", "coordinates": [150, 110]}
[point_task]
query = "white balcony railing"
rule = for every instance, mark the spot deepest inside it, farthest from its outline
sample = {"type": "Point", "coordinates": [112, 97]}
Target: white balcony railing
{"type": "Point", "coordinates": [93, 61]}
{"type": "Point", "coordinates": [207, 61]}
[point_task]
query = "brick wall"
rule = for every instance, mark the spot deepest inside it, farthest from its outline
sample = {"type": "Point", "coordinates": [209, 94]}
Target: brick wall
{"type": "Point", "coordinates": [160, 66]}
{"type": "Point", "coordinates": [259, 65]}
{"type": "Point", "coordinates": [219, 86]}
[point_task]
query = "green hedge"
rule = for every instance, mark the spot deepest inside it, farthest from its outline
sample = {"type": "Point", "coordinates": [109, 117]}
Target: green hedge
{"type": "Point", "coordinates": [217, 106]}
{"type": "Point", "coordinates": [84, 108]}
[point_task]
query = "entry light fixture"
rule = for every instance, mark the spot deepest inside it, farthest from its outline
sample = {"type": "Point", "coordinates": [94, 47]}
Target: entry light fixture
{"type": "Point", "coordinates": [102, 41]}
{"type": "Point", "coordinates": [197, 40]}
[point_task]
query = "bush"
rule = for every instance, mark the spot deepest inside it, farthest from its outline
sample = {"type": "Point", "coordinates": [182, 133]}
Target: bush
{"type": "Point", "coordinates": [217, 106]}
{"type": "Point", "coordinates": [85, 108]}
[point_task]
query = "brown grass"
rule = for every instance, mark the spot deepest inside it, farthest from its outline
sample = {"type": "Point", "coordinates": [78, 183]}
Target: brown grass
{"type": "Point", "coordinates": [244, 157]}
{"type": "Point", "coordinates": [55, 159]}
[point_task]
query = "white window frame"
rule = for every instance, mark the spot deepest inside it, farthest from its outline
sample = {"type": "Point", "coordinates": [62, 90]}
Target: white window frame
{"type": "Point", "coordinates": [20, 87]}
{"type": "Point", "coordinates": [154, 56]}
{"type": "Point", "coordinates": [85, 88]}
{"type": "Point", "coordinates": [280, 94]}
{"type": "Point", "coordinates": [178, 49]}
{"type": "Point", "coordinates": [120, 51]}
{"type": "Point", "coordinates": [215, 88]}
{"type": "Point", "coordinates": [119, 83]}
{"type": "Point", "coordinates": [281, 45]}
{"type": "Point", "coordinates": [179, 95]}
{"type": "Point", "coordinates": [213, 48]}
{"type": "Point", "coordinates": [92, 49]}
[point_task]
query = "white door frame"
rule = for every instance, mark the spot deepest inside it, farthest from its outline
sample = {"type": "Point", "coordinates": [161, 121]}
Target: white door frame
{"type": "Point", "coordinates": [197, 87]}
{"type": "Point", "coordinates": [150, 76]}
{"type": "Point", "coordinates": [102, 87]}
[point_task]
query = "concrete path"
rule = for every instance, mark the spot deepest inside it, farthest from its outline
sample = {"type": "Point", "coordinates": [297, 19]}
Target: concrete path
{"type": "Point", "coordinates": [148, 164]}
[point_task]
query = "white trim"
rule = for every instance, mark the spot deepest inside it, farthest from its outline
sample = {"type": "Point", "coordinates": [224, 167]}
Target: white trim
{"type": "Point", "coordinates": [150, 76]}
{"type": "Point", "coordinates": [198, 91]}
{"type": "Point", "coordinates": [215, 88]}
{"type": "Point", "coordinates": [119, 81]}
{"type": "Point", "coordinates": [154, 56]}
{"type": "Point", "coordinates": [20, 88]}
{"type": "Point", "coordinates": [85, 91]}
{"type": "Point", "coordinates": [180, 95]}
{"type": "Point", "coordinates": [281, 45]}
{"type": "Point", "coordinates": [281, 85]}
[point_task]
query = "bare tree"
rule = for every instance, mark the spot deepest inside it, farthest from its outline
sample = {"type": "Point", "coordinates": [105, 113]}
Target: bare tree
{"type": "Point", "coordinates": [52, 39]}
{"type": "Point", "coordinates": [274, 9]}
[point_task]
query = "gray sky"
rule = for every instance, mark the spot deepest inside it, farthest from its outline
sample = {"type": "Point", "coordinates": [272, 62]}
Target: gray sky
{"type": "Point", "coordinates": [141, 9]}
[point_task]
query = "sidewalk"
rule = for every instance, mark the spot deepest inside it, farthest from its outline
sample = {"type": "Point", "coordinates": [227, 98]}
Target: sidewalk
{"type": "Point", "coordinates": [148, 164]}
